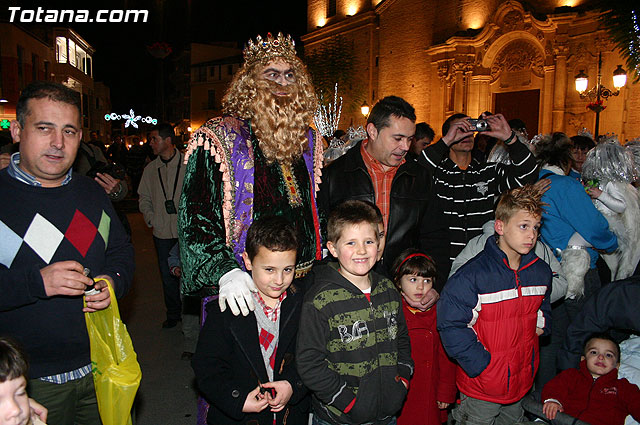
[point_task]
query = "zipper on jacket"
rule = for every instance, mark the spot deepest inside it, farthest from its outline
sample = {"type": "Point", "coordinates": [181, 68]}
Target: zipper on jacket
{"type": "Point", "coordinates": [375, 335]}
{"type": "Point", "coordinates": [593, 384]}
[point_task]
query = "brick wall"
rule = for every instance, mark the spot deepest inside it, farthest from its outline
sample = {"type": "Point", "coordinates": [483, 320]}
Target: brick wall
{"type": "Point", "coordinates": [405, 33]}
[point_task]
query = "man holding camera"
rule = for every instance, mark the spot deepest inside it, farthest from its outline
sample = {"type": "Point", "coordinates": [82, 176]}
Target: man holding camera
{"type": "Point", "coordinates": [465, 189]}
{"type": "Point", "coordinates": [159, 190]}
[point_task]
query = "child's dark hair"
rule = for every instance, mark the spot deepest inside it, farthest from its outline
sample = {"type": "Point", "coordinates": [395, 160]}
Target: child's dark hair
{"type": "Point", "coordinates": [583, 143]}
{"type": "Point", "coordinates": [413, 261]}
{"type": "Point", "coordinates": [13, 362]}
{"type": "Point", "coordinates": [605, 336]}
{"type": "Point", "coordinates": [348, 213]}
{"type": "Point", "coordinates": [554, 149]}
{"type": "Point", "coordinates": [272, 232]}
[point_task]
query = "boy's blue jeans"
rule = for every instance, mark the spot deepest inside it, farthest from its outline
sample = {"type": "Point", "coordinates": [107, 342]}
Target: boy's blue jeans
{"type": "Point", "coordinates": [318, 421]}
{"type": "Point", "coordinates": [472, 411]}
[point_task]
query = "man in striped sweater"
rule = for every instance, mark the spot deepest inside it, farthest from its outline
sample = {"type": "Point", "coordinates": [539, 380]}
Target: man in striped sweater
{"type": "Point", "coordinates": [465, 190]}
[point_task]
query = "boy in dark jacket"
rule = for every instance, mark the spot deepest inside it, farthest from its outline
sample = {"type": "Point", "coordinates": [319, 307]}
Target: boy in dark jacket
{"type": "Point", "coordinates": [354, 352]}
{"type": "Point", "coordinates": [245, 365]}
{"type": "Point", "coordinates": [492, 311]}
{"type": "Point", "coordinates": [593, 393]}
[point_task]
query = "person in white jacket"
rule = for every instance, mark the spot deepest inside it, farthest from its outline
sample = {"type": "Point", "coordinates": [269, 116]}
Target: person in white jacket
{"type": "Point", "coordinates": [609, 172]}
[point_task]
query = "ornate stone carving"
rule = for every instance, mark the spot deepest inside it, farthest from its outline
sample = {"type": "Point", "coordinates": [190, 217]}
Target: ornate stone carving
{"type": "Point", "coordinates": [443, 71]}
{"type": "Point", "coordinates": [462, 63]}
{"type": "Point", "coordinates": [580, 55]}
{"type": "Point", "coordinates": [558, 48]}
{"type": "Point", "coordinates": [603, 43]}
{"type": "Point", "coordinates": [512, 21]}
{"type": "Point", "coordinates": [518, 55]}
{"type": "Point", "coordinates": [576, 122]}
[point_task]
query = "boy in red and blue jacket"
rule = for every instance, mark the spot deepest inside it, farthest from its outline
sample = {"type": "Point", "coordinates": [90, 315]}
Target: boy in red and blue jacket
{"type": "Point", "coordinates": [492, 311]}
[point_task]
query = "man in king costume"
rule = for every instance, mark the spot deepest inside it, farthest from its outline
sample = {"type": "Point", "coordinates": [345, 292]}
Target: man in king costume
{"type": "Point", "coordinates": [259, 158]}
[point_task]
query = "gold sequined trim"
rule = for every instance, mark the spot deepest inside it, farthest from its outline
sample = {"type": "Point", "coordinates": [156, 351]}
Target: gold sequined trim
{"type": "Point", "coordinates": [293, 192]}
{"type": "Point", "coordinates": [303, 269]}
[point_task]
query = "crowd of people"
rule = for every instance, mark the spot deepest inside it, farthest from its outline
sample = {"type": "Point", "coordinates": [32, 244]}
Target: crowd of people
{"type": "Point", "coordinates": [409, 281]}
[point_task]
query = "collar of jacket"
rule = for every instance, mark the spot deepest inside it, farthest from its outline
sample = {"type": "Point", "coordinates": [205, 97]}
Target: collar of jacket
{"type": "Point", "coordinates": [604, 379]}
{"type": "Point", "coordinates": [243, 329]}
{"type": "Point", "coordinates": [173, 162]}
{"type": "Point", "coordinates": [329, 273]}
{"type": "Point", "coordinates": [552, 169]}
{"type": "Point", "coordinates": [354, 161]}
{"type": "Point", "coordinates": [491, 246]}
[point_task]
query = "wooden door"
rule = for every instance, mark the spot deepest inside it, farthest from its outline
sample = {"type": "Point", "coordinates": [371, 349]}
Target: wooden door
{"type": "Point", "coordinates": [520, 104]}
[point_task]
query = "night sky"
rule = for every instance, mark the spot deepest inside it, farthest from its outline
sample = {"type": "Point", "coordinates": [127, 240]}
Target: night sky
{"type": "Point", "coordinates": [121, 59]}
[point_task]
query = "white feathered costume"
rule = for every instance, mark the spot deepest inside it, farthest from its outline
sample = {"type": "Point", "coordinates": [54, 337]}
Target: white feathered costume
{"type": "Point", "coordinates": [612, 166]}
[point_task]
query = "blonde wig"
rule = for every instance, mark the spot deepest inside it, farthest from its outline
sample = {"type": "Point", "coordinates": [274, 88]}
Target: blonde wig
{"type": "Point", "coordinates": [279, 122]}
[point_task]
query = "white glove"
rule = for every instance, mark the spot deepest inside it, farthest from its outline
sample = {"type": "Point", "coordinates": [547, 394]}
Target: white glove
{"type": "Point", "coordinates": [235, 289]}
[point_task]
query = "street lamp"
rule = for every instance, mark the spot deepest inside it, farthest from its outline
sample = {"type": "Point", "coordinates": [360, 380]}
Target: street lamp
{"type": "Point", "coordinates": [364, 108]}
{"type": "Point", "coordinates": [619, 77]}
{"type": "Point", "coordinates": [599, 93]}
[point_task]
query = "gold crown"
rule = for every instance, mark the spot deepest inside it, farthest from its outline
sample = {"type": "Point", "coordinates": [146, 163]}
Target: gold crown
{"type": "Point", "coordinates": [269, 48]}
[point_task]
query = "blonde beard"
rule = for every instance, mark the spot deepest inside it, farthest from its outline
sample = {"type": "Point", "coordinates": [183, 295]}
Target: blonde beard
{"type": "Point", "coordinates": [279, 122]}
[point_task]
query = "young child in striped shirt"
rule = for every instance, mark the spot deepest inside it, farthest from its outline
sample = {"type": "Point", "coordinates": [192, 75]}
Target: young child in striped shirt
{"type": "Point", "coordinates": [245, 365]}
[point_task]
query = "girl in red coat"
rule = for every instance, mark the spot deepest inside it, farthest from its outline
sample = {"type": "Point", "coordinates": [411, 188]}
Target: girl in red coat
{"type": "Point", "coordinates": [433, 385]}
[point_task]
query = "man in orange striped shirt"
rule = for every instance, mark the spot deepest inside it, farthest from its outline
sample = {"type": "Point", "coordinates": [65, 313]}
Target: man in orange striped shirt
{"type": "Point", "coordinates": [376, 170]}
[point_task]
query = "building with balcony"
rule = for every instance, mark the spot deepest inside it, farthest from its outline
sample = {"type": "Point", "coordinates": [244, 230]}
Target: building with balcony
{"type": "Point", "coordinates": [73, 68]}
{"type": "Point", "coordinates": [212, 68]}
{"type": "Point", "coordinates": [24, 57]}
{"type": "Point", "coordinates": [57, 54]}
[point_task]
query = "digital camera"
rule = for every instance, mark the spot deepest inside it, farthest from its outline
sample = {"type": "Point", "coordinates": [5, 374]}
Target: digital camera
{"type": "Point", "coordinates": [170, 207]}
{"type": "Point", "coordinates": [478, 124]}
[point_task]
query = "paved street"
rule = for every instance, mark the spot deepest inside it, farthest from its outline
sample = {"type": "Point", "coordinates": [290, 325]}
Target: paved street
{"type": "Point", "coordinates": [166, 395]}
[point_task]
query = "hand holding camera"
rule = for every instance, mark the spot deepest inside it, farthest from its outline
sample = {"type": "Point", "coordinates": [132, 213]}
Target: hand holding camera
{"type": "Point", "coordinates": [494, 125]}
{"type": "Point", "coordinates": [458, 130]}
{"type": "Point", "coordinates": [479, 124]}
{"type": "Point", "coordinates": [498, 127]}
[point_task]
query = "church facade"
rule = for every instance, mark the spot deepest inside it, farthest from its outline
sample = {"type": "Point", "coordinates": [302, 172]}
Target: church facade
{"type": "Point", "coordinates": [472, 56]}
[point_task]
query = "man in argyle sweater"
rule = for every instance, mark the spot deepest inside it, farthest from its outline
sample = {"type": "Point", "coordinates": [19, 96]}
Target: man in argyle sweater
{"type": "Point", "coordinates": [54, 224]}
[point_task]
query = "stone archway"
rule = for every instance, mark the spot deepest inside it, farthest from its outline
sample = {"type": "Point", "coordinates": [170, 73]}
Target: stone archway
{"type": "Point", "coordinates": [517, 77]}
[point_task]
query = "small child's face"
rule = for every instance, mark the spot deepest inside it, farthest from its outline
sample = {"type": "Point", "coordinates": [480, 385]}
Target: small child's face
{"type": "Point", "coordinates": [356, 249]}
{"type": "Point", "coordinates": [14, 402]}
{"type": "Point", "coordinates": [382, 239]}
{"type": "Point", "coordinates": [272, 272]}
{"type": "Point", "coordinates": [601, 356]}
{"type": "Point", "coordinates": [415, 287]}
{"type": "Point", "coordinates": [519, 234]}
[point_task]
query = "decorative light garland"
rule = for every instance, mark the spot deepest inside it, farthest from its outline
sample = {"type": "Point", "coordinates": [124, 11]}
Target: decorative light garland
{"type": "Point", "coordinates": [634, 44]}
{"type": "Point", "coordinates": [131, 118]}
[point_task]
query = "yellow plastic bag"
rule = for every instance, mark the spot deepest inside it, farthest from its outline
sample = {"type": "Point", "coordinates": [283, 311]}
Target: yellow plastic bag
{"type": "Point", "coordinates": [116, 372]}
